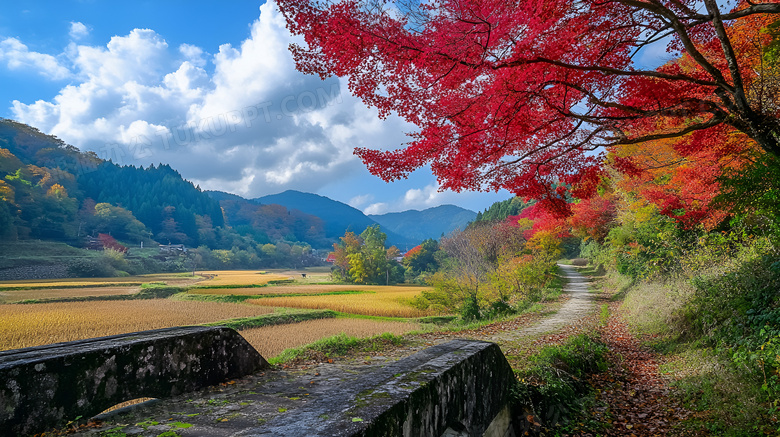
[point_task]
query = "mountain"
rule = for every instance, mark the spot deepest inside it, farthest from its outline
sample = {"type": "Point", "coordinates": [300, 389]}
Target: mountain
{"type": "Point", "coordinates": [428, 223]}
{"type": "Point", "coordinates": [219, 196]}
{"type": "Point", "coordinates": [268, 223]}
{"type": "Point", "coordinates": [337, 216]}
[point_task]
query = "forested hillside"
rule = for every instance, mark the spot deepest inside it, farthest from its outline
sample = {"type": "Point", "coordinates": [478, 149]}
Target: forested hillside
{"type": "Point", "coordinates": [172, 208]}
{"type": "Point", "coordinates": [501, 210]}
{"type": "Point", "coordinates": [52, 191]}
{"type": "Point", "coordinates": [269, 223]}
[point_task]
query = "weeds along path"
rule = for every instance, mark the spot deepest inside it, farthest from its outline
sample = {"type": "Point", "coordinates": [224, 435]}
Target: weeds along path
{"type": "Point", "coordinates": [580, 304]}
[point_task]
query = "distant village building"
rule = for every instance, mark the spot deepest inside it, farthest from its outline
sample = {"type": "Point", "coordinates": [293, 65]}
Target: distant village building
{"type": "Point", "coordinates": [172, 249]}
{"type": "Point", "coordinates": [331, 258]}
{"type": "Point", "coordinates": [94, 243]}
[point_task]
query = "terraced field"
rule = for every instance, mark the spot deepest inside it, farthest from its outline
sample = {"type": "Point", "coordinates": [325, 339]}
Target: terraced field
{"type": "Point", "coordinates": [387, 301]}
{"type": "Point", "coordinates": [97, 307]}
{"type": "Point", "coordinates": [45, 323]}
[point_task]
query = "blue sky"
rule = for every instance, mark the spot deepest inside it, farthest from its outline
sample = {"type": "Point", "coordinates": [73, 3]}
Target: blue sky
{"type": "Point", "coordinates": [210, 89]}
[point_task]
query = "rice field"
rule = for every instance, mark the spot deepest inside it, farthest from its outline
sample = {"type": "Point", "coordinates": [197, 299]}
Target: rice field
{"type": "Point", "coordinates": [59, 293]}
{"type": "Point", "coordinates": [232, 278]}
{"type": "Point", "coordinates": [168, 278]}
{"type": "Point", "coordinates": [45, 323]}
{"type": "Point", "coordinates": [385, 301]}
{"type": "Point", "coordinates": [272, 340]}
{"type": "Point", "coordinates": [307, 289]}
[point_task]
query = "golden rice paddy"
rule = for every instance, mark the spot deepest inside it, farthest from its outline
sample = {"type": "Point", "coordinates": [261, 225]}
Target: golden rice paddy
{"type": "Point", "coordinates": [58, 293]}
{"type": "Point", "coordinates": [44, 323]}
{"type": "Point", "coordinates": [216, 278]}
{"type": "Point", "coordinates": [308, 289]}
{"type": "Point", "coordinates": [387, 301]}
{"type": "Point", "coordinates": [272, 340]}
{"type": "Point", "coordinates": [168, 278]}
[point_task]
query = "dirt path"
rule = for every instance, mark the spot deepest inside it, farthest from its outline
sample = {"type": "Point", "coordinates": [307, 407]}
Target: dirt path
{"type": "Point", "coordinates": [632, 399]}
{"type": "Point", "coordinates": [580, 304]}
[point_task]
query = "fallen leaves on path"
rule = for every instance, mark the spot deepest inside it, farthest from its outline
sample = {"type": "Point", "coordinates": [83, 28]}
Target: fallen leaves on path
{"type": "Point", "coordinates": [631, 397]}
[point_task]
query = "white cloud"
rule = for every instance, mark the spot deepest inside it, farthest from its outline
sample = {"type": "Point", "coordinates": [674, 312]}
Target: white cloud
{"type": "Point", "coordinates": [18, 56]}
{"type": "Point", "coordinates": [78, 30]}
{"type": "Point", "coordinates": [360, 200]}
{"type": "Point", "coordinates": [254, 126]}
{"type": "Point", "coordinates": [422, 198]}
{"type": "Point", "coordinates": [376, 208]}
{"type": "Point", "coordinates": [139, 57]}
{"type": "Point", "coordinates": [194, 54]}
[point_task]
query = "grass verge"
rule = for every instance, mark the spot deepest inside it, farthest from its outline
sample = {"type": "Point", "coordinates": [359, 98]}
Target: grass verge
{"type": "Point", "coordinates": [56, 286]}
{"type": "Point", "coordinates": [335, 346]}
{"type": "Point", "coordinates": [717, 329]}
{"type": "Point", "coordinates": [239, 298]}
{"type": "Point", "coordinates": [155, 292]}
{"type": "Point", "coordinates": [273, 319]}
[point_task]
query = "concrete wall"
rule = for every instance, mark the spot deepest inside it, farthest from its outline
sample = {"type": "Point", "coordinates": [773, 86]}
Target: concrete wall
{"type": "Point", "coordinates": [44, 387]}
{"type": "Point", "coordinates": [460, 388]}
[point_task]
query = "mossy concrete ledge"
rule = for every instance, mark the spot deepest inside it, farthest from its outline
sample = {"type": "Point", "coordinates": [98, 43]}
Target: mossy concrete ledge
{"type": "Point", "coordinates": [46, 386]}
{"type": "Point", "coordinates": [460, 388]}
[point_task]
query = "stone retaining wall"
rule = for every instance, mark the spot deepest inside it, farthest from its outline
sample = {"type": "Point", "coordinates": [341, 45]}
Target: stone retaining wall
{"type": "Point", "coordinates": [55, 271]}
{"type": "Point", "coordinates": [44, 387]}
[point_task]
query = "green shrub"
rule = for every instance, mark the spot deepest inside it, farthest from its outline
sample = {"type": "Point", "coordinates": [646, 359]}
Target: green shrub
{"type": "Point", "coordinates": [499, 308]}
{"type": "Point", "coordinates": [554, 387]}
{"type": "Point", "coordinates": [470, 310]}
{"type": "Point", "coordinates": [90, 268]}
{"type": "Point", "coordinates": [114, 258]}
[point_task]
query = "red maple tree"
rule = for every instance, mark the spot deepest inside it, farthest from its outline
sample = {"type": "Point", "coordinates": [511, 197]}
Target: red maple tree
{"type": "Point", "coordinates": [110, 242]}
{"type": "Point", "coordinates": [541, 220]}
{"type": "Point", "coordinates": [523, 94]}
{"type": "Point", "coordinates": [594, 217]}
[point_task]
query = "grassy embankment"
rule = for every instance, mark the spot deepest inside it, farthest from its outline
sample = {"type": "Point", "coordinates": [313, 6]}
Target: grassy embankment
{"type": "Point", "coordinates": [714, 324]}
{"type": "Point", "coordinates": [717, 324]}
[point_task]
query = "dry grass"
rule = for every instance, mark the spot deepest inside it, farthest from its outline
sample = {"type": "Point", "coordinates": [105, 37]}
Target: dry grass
{"type": "Point", "coordinates": [384, 301]}
{"type": "Point", "coordinates": [55, 293]}
{"type": "Point", "coordinates": [653, 306]}
{"type": "Point", "coordinates": [314, 275]}
{"type": "Point", "coordinates": [45, 323]}
{"type": "Point", "coordinates": [217, 278]}
{"type": "Point", "coordinates": [178, 279]}
{"type": "Point", "coordinates": [272, 340]}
